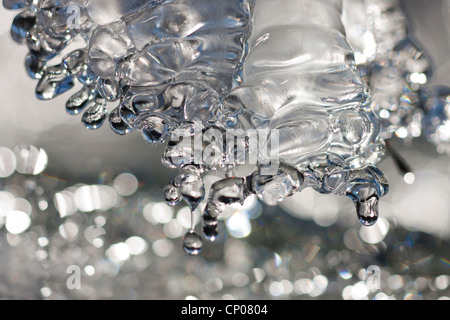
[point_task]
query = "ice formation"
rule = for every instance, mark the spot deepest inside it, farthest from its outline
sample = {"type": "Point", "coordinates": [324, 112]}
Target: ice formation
{"type": "Point", "coordinates": [267, 83]}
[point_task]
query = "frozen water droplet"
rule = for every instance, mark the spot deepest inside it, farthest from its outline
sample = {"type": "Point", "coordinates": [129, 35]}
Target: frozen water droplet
{"type": "Point", "coordinates": [179, 151]}
{"type": "Point", "coordinates": [117, 124]}
{"type": "Point", "coordinates": [108, 89]}
{"type": "Point", "coordinates": [64, 18]}
{"type": "Point", "coordinates": [177, 157]}
{"type": "Point", "coordinates": [34, 67]}
{"type": "Point", "coordinates": [365, 188]}
{"type": "Point", "coordinates": [172, 195]}
{"type": "Point", "coordinates": [367, 210]}
{"type": "Point", "coordinates": [154, 129]}
{"type": "Point", "coordinates": [75, 62]}
{"type": "Point", "coordinates": [16, 4]}
{"type": "Point", "coordinates": [224, 192]}
{"type": "Point", "coordinates": [33, 40]}
{"type": "Point", "coordinates": [54, 82]}
{"type": "Point", "coordinates": [137, 104]}
{"type": "Point", "coordinates": [272, 189]}
{"type": "Point", "coordinates": [43, 46]}
{"type": "Point", "coordinates": [190, 184]}
{"type": "Point", "coordinates": [128, 113]}
{"type": "Point", "coordinates": [21, 25]}
{"type": "Point", "coordinates": [76, 103]}
{"type": "Point", "coordinates": [94, 117]}
{"type": "Point", "coordinates": [87, 77]}
{"type": "Point", "coordinates": [192, 243]}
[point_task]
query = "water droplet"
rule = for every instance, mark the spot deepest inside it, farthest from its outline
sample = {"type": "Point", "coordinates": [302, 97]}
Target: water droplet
{"type": "Point", "coordinates": [16, 4]}
{"type": "Point", "coordinates": [367, 210]}
{"type": "Point", "coordinates": [192, 243]}
{"type": "Point", "coordinates": [223, 193]}
{"type": "Point", "coordinates": [127, 113]}
{"type": "Point", "coordinates": [75, 62]}
{"type": "Point", "coordinates": [21, 25]}
{"type": "Point", "coordinates": [76, 103]}
{"type": "Point", "coordinates": [43, 46]}
{"type": "Point", "coordinates": [117, 124]}
{"type": "Point", "coordinates": [272, 189]}
{"type": "Point", "coordinates": [108, 89]}
{"type": "Point", "coordinates": [179, 151]}
{"type": "Point", "coordinates": [154, 129]}
{"type": "Point", "coordinates": [34, 67]}
{"type": "Point", "coordinates": [54, 82]}
{"type": "Point", "coordinates": [190, 184]}
{"type": "Point", "coordinates": [145, 102]}
{"type": "Point", "coordinates": [172, 195]}
{"type": "Point", "coordinates": [94, 117]}
{"type": "Point", "coordinates": [365, 188]}
{"type": "Point", "coordinates": [87, 77]}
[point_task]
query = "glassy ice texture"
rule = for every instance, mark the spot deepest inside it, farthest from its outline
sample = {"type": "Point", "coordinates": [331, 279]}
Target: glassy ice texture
{"type": "Point", "coordinates": [175, 59]}
{"type": "Point", "coordinates": [21, 25]}
{"type": "Point", "coordinates": [298, 79]}
{"type": "Point", "coordinates": [181, 53]}
{"type": "Point", "coordinates": [106, 11]}
{"type": "Point", "coordinates": [299, 74]}
{"type": "Point", "coordinates": [278, 73]}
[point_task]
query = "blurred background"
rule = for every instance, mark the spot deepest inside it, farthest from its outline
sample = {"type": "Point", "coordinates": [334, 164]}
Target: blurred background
{"type": "Point", "coordinates": [91, 201]}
